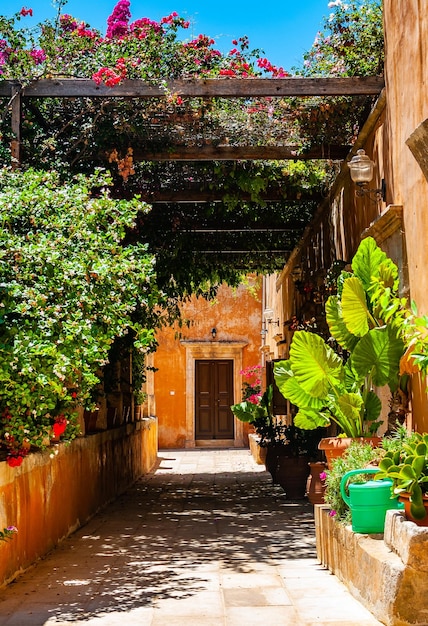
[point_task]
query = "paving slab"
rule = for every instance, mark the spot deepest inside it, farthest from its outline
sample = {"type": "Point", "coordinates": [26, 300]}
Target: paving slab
{"type": "Point", "coordinates": [205, 539]}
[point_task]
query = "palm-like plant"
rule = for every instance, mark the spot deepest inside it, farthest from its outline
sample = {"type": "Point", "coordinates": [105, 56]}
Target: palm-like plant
{"type": "Point", "coordinates": [318, 381]}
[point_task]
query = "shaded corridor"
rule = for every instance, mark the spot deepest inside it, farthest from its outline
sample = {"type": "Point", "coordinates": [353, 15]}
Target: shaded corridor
{"type": "Point", "coordinates": [203, 540]}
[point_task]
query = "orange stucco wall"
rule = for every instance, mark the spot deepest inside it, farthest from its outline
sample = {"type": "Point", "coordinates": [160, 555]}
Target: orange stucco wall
{"type": "Point", "coordinates": [236, 316]}
{"type": "Point", "coordinates": [406, 74]}
{"type": "Point", "coordinates": [345, 219]}
{"type": "Point", "coordinates": [48, 498]}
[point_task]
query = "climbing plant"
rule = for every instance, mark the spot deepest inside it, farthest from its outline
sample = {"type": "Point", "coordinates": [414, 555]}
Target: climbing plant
{"type": "Point", "coordinates": [69, 288]}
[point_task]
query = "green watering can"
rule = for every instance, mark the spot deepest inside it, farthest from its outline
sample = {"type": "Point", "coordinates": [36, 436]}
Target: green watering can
{"type": "Point", "coordinates": [368, 501]}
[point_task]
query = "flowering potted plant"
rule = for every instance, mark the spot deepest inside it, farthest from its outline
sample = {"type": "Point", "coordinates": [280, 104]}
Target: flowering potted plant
{"type": "Point", "coordinates": [288, 448]}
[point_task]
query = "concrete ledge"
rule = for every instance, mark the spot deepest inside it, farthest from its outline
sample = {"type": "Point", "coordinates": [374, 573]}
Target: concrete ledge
{"type": "Point", "coordinates": [389, 576]}
{"type": "Point", "coordinates": [55, 492]}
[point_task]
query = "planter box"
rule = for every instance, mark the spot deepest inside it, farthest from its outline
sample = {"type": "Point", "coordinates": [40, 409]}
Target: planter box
{"type": "Point", "coordinates": [387, 573]}
{"type": "Point", "coordinates": [53, 493]}
{"type": "Point", "coordinates": [258, 453]}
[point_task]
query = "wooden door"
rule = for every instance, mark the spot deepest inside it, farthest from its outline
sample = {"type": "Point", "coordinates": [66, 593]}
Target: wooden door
{"type": "Point", "coordinates": [213, 398]}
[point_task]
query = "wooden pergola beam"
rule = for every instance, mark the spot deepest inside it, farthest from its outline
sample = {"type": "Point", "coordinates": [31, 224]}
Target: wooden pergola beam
{"type": "Point", "coordinates": [196, 196]}
{"type": "Point", "coordinates": [239, 153]}
{"type": "Point", "coordinates": [200, 88]}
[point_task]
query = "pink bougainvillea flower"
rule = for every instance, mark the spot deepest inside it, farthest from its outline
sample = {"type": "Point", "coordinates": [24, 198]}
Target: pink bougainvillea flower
{"type": "Point", "coordinates": [117, 22]}
{"type": "Point", "coordinates": [68, 23]}
{"type": "Point", "coordinates": [141, 28]}
{"type": "Point", "coordinates": [170, 18]}
{"type": "Point", "coordinates": [254, 399]}
{"type": "Point", "coordinates": [332, 513]}
{"type": "Point", "coordinates": [38, 56]}
{"type": "Point", "coordinates": [82, 31]}
{"type": "Point", "coordinates": [323, 475]}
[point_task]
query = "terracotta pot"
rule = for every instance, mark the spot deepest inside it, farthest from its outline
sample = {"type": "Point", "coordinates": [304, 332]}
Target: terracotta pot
{"type": "Point", "coordinates": [334, 447]}
{"type": "Point", "coordinates": [315, 487]}
{"type": "Point", "coordinates": [405, 499]}
{"type": "Point", "coordinates": [292, 474]}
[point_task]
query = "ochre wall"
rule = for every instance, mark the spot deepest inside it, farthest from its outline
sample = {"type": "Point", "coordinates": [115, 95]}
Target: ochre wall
{"type": "Point", "coordinates": [406, 74]}
{"type": "Point", "coordinates": [236, 316]}
{"type": "Point", "coordinates": [48, 498]}
{"type": "Point", "coordinates": [344, 219]}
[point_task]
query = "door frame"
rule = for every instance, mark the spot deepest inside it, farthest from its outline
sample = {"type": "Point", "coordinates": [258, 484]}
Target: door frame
{"type": "Point", "coordinates": [213, 350]}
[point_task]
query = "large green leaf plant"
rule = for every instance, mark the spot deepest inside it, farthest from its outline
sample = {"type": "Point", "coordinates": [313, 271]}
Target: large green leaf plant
{"type": "Point", "coordinates": [325, 386]}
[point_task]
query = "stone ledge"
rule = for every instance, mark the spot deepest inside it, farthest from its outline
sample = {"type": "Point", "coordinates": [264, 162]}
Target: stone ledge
{"type": "Point", "coordinates": [258, 453]}
{"type": "Point", "coordinates": [389, 577]}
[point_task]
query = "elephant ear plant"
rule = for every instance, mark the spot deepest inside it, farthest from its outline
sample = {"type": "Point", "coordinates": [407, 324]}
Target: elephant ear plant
{"type": "Point", "coordinates": [324, 385]}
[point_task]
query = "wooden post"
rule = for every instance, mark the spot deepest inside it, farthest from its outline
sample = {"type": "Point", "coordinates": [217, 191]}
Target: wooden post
{"type": "Point", "coordinates": [16, 106]}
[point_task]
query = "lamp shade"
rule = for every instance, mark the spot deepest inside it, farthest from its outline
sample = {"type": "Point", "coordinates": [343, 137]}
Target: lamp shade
{"type": "Point", "coordinates": [361, 167]}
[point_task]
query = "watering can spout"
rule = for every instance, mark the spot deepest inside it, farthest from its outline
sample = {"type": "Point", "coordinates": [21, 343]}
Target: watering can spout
{"type": "Point", "coordinates": [368, 501]}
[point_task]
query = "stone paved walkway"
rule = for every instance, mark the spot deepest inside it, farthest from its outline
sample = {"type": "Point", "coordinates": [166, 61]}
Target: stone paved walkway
{"type": "Point", "coordinates": [205, 540]}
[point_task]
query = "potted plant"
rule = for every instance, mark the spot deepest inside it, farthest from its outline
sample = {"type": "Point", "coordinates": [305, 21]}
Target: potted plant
{"type": "Point", "coordinates": [288, 448]}
{"type": "Point", "coordinates": [328, 386]}
{"type": "Point", "coordinates": [407, 467]}
{"type": "Point", "coordinates": [358, 455]}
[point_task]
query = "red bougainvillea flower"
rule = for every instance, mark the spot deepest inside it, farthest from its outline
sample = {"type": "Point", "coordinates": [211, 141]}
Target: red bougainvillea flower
{"type": "Point", "coordinates": [15, 457]}
{"type": "Point", "coordinates": [60, 425]}
{"type": "Point", "coordinates": [24, 12]}
{"type": "Point", "coordinates": [14, 461]}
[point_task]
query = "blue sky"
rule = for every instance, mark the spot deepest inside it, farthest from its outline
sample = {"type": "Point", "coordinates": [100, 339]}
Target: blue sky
{"type": "Point", "coordinates": [284, 29]}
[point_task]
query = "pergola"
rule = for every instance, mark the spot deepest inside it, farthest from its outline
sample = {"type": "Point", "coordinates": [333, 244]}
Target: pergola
{"type": "Point", "coordinates": [197, 210]}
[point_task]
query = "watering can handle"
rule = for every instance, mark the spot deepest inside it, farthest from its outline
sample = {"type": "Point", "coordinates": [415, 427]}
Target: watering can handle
{"type": "Point", "coordinates": [367, 470]}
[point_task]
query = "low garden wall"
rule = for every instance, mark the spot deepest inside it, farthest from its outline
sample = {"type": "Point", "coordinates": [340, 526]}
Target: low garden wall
{"type": "Point", "coordinates": [387, 573]}
{"type": "Point", "coordinates": [55, 492]}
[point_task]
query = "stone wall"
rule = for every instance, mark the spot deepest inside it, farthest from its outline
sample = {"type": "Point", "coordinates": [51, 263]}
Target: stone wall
{"type": "Point", "coordinates": [387, 573]}
{"type": "Point", "coordinates": [53, 493]}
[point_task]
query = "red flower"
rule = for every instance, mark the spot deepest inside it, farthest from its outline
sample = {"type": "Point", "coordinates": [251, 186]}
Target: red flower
{"type": "Point", "coordinates": [60, 425]}
{"type": "Point", "coordinates": [24, 12]}
{"type": "Point", "coordinates": [14, 461]}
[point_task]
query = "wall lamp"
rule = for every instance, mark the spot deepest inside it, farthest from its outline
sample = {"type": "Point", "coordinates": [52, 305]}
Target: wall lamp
{"type": "Point", "coordinates": [361, 170]}
{"type": "Point", "coordinates": [214, 332]}
{"type": "Point", "coordinates": [268, 315]}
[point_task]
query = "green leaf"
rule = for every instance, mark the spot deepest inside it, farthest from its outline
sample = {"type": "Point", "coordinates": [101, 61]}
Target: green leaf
{"type": "Point", "coordinates": [367, 261]}
{"type": "Point", "coordinates": [291, 389]}
{"type": "Point", "coordinates": [337, 326]}
{"type": "Point", "coordinates": [247, 411]}
{"type": "Point", "coordinates": [309, 419]}
{"type": "Point", "coordinates": [294, 392]}
{"type": "Point", "coordinates": [350, 404]}
{"type": "Point", "coordinates": [379, 354]}
{"type": "Point", "coordinates": [316, 367]}
{"type": "Point", "coordinates": [354, 307]}
{"type": "Point", "coordinates": [417, 508]}
{"type": "Point", "coordinates": [418, 464]}
{"type": "Point", "coordinates": [372, 406]}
